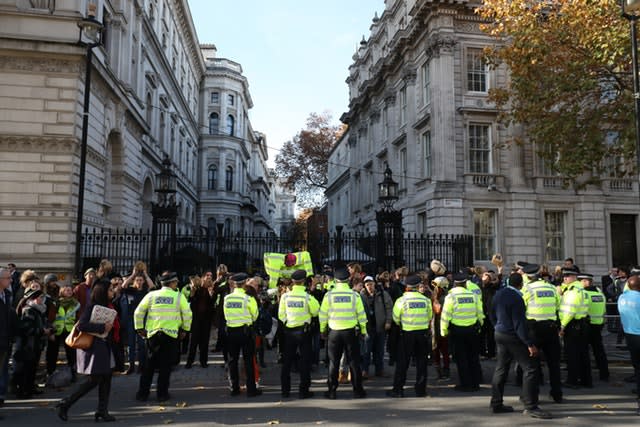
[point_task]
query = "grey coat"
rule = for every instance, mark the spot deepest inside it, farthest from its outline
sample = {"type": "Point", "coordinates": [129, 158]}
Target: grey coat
{"type": "Point", "coordinates": [381, 305]}
{"type": "Point", "coordinates": [98, 359]}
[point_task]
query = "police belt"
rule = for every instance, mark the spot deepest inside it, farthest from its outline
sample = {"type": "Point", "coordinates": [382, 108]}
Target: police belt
{"type": "Point", "coordinates": [579, 323]}
{"type": "Point", "coordinates": [301, 328]}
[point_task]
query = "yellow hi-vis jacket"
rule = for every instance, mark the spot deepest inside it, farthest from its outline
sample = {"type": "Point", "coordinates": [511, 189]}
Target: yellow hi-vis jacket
{"type": "Point", "coordinates": [297, 307]}
{"type": "Point", "coordinates": [341, 309]}
{"type": "Point", "coordinates": [165, 310]}
{"type": "Point", "coordinates": [275, 268]}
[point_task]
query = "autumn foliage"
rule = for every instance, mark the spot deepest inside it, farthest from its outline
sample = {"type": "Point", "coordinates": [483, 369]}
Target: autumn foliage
{"type": "Point", "coordinates": [303, 161]}
{"type": "Point", "coordinates": [570, 82]}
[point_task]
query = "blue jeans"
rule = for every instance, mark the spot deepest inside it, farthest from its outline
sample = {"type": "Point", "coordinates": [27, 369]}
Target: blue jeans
{"type": "Point", "coordinates": [374, 352]}
{"type": "Point", "coordinates": [135, 343]}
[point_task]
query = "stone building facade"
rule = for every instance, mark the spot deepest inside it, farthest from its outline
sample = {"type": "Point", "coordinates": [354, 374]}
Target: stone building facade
{"type": "Point", "coordinates": [145, 102]}
{"type": "Point", "coordinates": [419, 102]}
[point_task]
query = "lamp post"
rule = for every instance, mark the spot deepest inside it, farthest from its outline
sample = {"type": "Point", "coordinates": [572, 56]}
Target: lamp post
{"type": "Point", "coordinates": [91, 30]}
{"type": "Point", "coordinates": [389, 222]}
{"type": "Point", "coordinates": [165, 216]}
{"type": "Point", "coordinates": [629, 9]}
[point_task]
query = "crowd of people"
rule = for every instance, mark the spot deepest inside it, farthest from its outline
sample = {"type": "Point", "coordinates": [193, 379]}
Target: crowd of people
{"type": "Point", "coordinates": [348, 320]}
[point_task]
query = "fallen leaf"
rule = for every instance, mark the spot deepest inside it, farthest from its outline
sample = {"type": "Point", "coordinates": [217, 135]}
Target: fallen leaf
{"type": "Point", "coordinates": [274, 422]}
{"type": "Point", "coordinates": [168, 421]}
{"type": "Point", "coordinates": [160, 408]}
{"type": "Point", "coordinates": [598, 406]}
{"type": "Point", "coordinates": [181, 405]}
{"type": "Point", "coordinates": [200, 387]}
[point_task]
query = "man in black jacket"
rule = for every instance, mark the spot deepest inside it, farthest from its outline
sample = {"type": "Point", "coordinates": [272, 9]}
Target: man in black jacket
{"type": "Point", "coordinates": [7, 321]}
{"type": "Point", "coordinates": [513, 342]}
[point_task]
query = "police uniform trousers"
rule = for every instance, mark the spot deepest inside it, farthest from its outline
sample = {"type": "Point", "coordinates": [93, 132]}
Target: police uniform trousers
{"type": "Point", "coordinates": [340, 341]}
{"type": "Point", "coordinates": [296, 341]}
{"type": "Point", "coordinates": [545, 336]}
{"type": "Point", "coordinates": [162, 351]}
{"type": "Point", "coordinates": [465, 343]}
{"type": "Point", "coordinates": [239, 339]}
{"type": "Point", "coordinates": [595, 342]}
{"type": "Point", "coordinates": [576, 348]}
{"type": "Point", "coordinates": [509, 348]}
{"type": "Point", "coordinates": [416, 344]}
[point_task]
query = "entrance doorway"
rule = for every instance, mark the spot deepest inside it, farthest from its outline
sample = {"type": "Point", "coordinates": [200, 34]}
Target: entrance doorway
{"type": "Point", "coordinates": [624, 249]}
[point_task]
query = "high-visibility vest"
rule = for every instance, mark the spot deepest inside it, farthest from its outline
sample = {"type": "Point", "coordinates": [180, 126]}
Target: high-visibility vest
{"type": "Point", "coordinates": [460, 308]}
{"type": "Point", "coordinates": [329, 285]}
{"type": "Point", "coordinates": [342, 309]}
{"type": "Point", "coordinates": [412, 311]}
{"type": "Point", "coordinates": [541, 300]}
{"type": "Point", "coordinates": [275, 268]}
{"type": "Point", "coordinates": [597, 306]}
{"type": "Point", "coordinates": [574, 304]}
{"type": "Point", "coordinates": [297, 307]}
{"type": "Point", "coordinates": [475, 289]}
{"type": "Point", "coordinates": [166, 311]}
{"type": "Point", "coordinates": [65, 319]}
{"type": "Point", "coordinates": [240, 309]}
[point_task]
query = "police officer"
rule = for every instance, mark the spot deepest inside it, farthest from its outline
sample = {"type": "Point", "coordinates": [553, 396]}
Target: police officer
{"type": "Point", "coordinates": [295, 311]}
{"type": "Point", "coordinates": [597, 307]}
{"type": "Point", "coordinates": [240, 313]}
{"type": "Point", "coordinates": [462, 316]}
{"type": "Point", "coordinates": [343, 312]}
{"type": "Point", "coordinates": [542, 303]}
{"type": "Point", "coordinates": [574, 327]}
{"type": "Point", "coordinates": [163, 317]}
{"type": "Point", "coordinates": [412, 313]}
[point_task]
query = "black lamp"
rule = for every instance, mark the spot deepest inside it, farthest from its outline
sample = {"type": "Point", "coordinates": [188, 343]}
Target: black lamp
{"type": "Point", "coordinates": [387, 189]}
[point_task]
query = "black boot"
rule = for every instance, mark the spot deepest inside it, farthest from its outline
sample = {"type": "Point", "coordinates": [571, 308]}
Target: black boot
{"type": "Point", "coordinates": [83, 388]}
{"type": "Point", "coordinates": [104, 389]}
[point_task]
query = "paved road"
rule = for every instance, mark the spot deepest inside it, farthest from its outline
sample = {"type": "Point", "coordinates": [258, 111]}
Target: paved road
{"type": "Point", "coordinates": [200, 397]}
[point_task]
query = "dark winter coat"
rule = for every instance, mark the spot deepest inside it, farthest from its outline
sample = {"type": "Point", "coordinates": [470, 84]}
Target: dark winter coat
{"type": "Point", "coordinates": [98, 359]}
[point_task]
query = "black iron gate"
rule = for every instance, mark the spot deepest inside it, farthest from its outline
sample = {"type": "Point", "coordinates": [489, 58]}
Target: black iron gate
{"type": "Point", "coordinates": [197, 252]}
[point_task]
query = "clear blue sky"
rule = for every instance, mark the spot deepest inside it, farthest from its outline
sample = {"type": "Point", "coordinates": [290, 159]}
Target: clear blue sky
{"type": "Point", "coordinates": [295, 54]}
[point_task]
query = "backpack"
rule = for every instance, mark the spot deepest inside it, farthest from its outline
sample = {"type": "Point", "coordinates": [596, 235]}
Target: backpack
{"type": "Point", "coordinates": [264, 322]}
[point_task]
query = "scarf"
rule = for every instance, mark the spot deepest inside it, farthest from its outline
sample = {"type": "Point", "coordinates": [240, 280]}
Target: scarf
{"type": "Point", "coordinates": [67, 303]}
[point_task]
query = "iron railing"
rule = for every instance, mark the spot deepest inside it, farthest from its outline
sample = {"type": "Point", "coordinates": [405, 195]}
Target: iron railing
{"type": "Point", "coordinates": [196, 252]}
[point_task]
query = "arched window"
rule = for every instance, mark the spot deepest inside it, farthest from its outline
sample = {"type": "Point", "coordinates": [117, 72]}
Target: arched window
{"type": "Point", "coordinates": [212, 178]}
{"type": "Point", "coordinates": [214, 124]}
{"type": "Point", "coordinates": [229, 178]}
{"type": "Point", "coordinates": [227, 227]}
{"type": "Point", "coordinates": [231, 122]}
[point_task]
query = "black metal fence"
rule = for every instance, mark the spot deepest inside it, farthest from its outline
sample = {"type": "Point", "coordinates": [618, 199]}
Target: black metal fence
{"type": "Point", "coordinates": [197, 252]}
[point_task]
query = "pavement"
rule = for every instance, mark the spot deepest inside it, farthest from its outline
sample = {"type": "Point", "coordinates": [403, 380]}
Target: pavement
{"type": "Point", "coordinates": [201, 397]}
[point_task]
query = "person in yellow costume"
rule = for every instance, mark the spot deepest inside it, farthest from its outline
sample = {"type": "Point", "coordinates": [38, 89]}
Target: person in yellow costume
{"type": "Point", "coordinates": [278, 265]}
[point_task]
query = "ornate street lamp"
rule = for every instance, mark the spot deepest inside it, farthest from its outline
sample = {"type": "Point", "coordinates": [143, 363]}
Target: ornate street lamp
{"type": "Point", "coordinates": [387, 190]}
{"type": "Point", "coordinates": [389, 222]}
{"type": "Point", "coordinates": [166, 183]}
{"type": "Point", "coordinates": [90, 37]}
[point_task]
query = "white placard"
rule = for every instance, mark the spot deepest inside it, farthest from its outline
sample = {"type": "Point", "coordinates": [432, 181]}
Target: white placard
{"type": "Point", "coordinates": [102, 315]}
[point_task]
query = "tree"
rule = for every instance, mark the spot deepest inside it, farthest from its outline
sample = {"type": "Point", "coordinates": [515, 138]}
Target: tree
{"type": "Point", "coordinates": [570, 82]}
{"type": "Point", "coordinates": [303, 161]}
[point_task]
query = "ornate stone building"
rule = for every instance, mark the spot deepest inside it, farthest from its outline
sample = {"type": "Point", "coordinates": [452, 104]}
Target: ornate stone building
{"type": "Point", "coordinates": [419, 102]}
{"type": "Point", "coordinates": [145, 102]}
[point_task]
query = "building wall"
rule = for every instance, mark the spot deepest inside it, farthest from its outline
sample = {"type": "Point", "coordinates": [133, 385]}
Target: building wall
{"type": "Point", "coordinates": [417, 102]}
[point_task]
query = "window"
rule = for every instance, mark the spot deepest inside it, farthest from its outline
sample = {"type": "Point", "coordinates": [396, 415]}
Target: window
{"type": "Point", "coordinates": [484, 233]}
{"type": "Point", "coordinates": [421, 225]}
{"type": "Point", "coordinates": [149, 107]}
{"type": "Point", "coordinates": [228, 179]}
{"type": "Point", "coordinates": [476, 71]}
{"type": "Point", "coordinates": [614, 164]}
{"type": "Point", "coordinates": [426, 147]}
{"type": "Point", "coordinates": [403, 106]}
{"type": "Point", "coordinates": [479, 148]}
{"type": "Point", "coordinates": [230, 124]}
{"type": "Point", "coordinates": [212, 178]}
{"type": "Point", "coordinates": [385, 121]}
{"type": "Point", "coordinates": [214, 124]}
{"type": "Point", "coordinates": [161, 138]}
{"type": "Point", "coordinates": [426, 82]}
{"type": "Point", "coordinates": [554, 234]}
{"type": "Point", "coordinates": [403, 167]}
{"type": "Point", "coordinates": [215, 97]}
{"type": "Point", "coordinates": [227, 227]}
{"type": "Point", "coordinates": [231, 100]}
